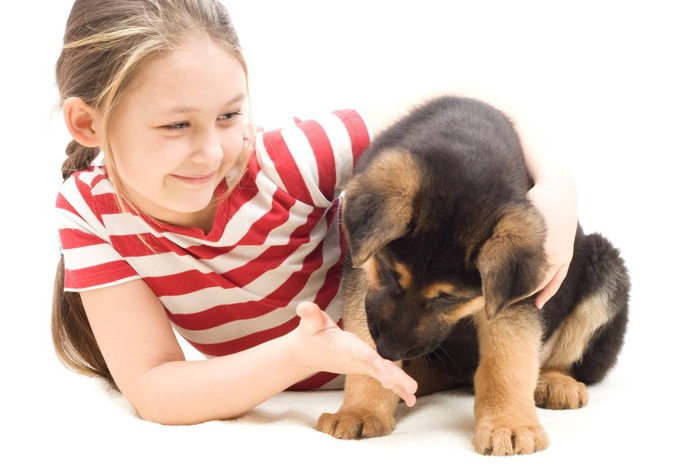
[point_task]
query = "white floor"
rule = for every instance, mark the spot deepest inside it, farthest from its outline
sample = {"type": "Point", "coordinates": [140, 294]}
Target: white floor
{"type": "Point", "coordinates": [612, 85]}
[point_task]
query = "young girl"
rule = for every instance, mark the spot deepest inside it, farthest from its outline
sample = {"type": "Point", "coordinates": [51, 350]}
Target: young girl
{"type": "Point", "coordinates": [196, 223]}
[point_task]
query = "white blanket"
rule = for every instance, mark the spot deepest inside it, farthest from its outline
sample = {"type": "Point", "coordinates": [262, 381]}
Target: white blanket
{"type": "Point", "coordinates": [83, 423]}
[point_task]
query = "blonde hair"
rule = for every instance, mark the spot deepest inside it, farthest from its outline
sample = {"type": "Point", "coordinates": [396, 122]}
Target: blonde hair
{"type": "Point", "coordinates": [106, 43]}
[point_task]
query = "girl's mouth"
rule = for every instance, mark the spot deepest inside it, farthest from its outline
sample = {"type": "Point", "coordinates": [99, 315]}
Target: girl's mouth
{"type": "Point", "coordinates": [196, 179]}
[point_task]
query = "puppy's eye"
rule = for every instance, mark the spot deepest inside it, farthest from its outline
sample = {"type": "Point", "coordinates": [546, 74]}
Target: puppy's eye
{"type": "Point", "coordinates": [391, 279]}
{"type": "Point", "coordinates": [411, 227]}
{"type": "Point", "coordinates": [394, 281]}
{"type": "Point", "coordinates": [446, 299]}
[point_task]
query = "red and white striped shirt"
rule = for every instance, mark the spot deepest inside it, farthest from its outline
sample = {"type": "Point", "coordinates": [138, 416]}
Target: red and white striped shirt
{"type": "Point", "coordinates": [274, 243]}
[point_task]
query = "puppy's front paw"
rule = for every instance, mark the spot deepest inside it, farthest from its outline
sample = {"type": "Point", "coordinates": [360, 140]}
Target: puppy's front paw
{"type": "Point", "coordinates": [505, 437]}
{"type": "Point", "coordinates": [556, 390]}
{"type": "Point", "coordinates": [355, 424]}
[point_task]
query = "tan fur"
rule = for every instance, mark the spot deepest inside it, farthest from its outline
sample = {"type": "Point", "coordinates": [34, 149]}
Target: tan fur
{"type": "Point", "coordinates": [569, 341]}
{"type": "Point", "coordinates": [437, 289]}
{"type": "Point", "coordinates": [467, 309]}
{"type": "Point", "coordinates": [517, 226]}
{"type": "Point", "coordinates": [368, 408]}
{"type": "Point", "coordinates": [558, 390]}
{"type": "Point", "coordinates": [449, 319]}
{"type": "Point", "coordinates": [355, 283]}
{"type": "Point", "coordinates": [405, 277]}
{"type": "Point", "coordinates": [519, 230]}
{"type": "Point", "coordinates": [506, 420]}
{"type": "Point", "coordinates": [395, 171]}
{"type": "Point", "coordinates": [370, 267]}
{"type": "Point", "coordinates": [397, 175]}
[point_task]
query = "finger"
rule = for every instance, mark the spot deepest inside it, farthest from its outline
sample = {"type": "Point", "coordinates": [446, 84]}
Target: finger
{"type": "Point", "coordinates": [551, 288]}
{"type": "Point", "coordinates": [406, 390]}
{"type": "Point", "coordinates": [391, 376]}
{"type": "Point", "coordinates": [311, 315]}
{"type": "Point", "coordinates": [408, 397]}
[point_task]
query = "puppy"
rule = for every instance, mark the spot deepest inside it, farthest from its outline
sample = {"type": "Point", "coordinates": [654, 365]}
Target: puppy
{"type": "Point", "coordinates": [445, 252]}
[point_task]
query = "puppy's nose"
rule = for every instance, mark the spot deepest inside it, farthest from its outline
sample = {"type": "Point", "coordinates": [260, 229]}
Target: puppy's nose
{"type": "Point", "coordinates": [396, 348]}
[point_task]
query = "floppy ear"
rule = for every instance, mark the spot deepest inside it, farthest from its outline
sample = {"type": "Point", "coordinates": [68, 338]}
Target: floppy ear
{"type": "Point", "coordinates": [512, 261]}
{"type": "Point", "coordinates": [378, 203]}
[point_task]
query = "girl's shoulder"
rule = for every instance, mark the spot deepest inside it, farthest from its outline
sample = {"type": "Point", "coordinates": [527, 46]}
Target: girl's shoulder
{"type": "Point", "coordinates": [90, 187]}
{"type": "Point", "coordinates": [89, 177]}
{"type": "Point", "coordinates": [311, 158]}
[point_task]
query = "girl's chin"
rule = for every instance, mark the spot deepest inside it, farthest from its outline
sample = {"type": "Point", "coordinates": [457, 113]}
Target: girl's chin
{"type": "Point", "coordinates": [189, 213]}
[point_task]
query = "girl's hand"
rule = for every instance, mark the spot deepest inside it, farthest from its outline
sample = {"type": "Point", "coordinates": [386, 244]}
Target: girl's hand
{"type": "Point", "coordinates": [556, 201]}
{"type": "Point", "coordinates": [326, 347]}
{"type": "Point", "coordinates": [554, 196]}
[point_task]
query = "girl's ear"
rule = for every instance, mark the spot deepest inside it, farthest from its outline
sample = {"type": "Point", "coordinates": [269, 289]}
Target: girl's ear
{"type": "Point", "coordinates": [81, 121]}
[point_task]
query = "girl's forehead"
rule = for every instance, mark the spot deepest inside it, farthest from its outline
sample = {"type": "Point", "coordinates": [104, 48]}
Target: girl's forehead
{"type": "Point", "coordinates": [191, 60]}
{"type": "Point", "coordinates": [196, 72]}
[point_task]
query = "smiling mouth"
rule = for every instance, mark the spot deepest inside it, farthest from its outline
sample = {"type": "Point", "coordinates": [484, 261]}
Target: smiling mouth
{"type": "Point", "coordinates": [196, 179]}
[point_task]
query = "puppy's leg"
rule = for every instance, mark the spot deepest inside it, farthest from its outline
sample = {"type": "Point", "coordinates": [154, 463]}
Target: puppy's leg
{"type": "Point", "coordinates": [556, 389]}
{"type": "Point", "coordinates": [367, 410]}
{"type": "Point", "coordinates": [506, 418]}
{"type": "Point", "coordinates": [566, 348]}
{"type": "Point", "coordinates": [586, 345]}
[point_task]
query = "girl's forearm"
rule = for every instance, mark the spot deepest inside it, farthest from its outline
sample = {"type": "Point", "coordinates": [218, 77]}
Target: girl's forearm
{"type": "Point", "coordinates": [188, 392]}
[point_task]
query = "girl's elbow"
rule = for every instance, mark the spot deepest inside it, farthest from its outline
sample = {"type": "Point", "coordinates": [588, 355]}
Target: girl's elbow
{"type": "Point", "coordinates": [164, 415]}
{"type": "Point", "coordinates": [172, 413]}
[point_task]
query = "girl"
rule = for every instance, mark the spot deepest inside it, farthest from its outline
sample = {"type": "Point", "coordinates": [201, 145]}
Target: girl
{"type": "Point", "coordinates": [196, 223]}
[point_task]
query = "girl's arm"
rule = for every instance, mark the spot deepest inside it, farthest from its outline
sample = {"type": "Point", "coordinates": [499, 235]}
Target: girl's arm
{"type": "Point", "coordinates": [149, 367]}
{"type": "Point", "coordinates": [554, 195]}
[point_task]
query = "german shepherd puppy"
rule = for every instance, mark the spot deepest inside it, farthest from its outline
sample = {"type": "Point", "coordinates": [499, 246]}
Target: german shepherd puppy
{"type": "Point", "coordinates": [445, 251]}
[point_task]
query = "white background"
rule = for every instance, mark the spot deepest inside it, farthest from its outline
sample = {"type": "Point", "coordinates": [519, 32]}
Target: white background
{"type": "Point", "coordinates": [613, 86]}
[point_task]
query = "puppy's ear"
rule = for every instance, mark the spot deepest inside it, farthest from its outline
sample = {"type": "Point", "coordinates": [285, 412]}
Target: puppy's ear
{"type": "Point", "coordinates": [512, 261]}
{"type": "Point", "coordinates": [378, 203]}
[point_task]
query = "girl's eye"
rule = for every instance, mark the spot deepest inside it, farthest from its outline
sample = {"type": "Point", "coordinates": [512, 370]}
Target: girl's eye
{"type": "Point", "coordinates": [228, 116]}
{"type": "Point", "coordinates": [177, 126]}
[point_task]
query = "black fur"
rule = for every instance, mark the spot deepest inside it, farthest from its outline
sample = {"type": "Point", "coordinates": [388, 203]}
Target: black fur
{"type": "Point", "coordinates": [472, 175]}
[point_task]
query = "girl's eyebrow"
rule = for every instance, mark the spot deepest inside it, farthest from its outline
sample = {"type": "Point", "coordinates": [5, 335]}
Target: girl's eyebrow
{"type": "Point", "coordinates": [182, 109]}
{"type": "Point", "coordinates": [238, 98]}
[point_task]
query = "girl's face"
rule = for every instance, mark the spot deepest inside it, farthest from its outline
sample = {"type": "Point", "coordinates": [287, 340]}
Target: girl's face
{"type": "Point", "coordinates": [179, 130]}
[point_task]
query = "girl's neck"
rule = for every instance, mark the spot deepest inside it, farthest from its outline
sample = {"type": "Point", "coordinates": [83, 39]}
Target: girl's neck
{"type": "Point", "coordinates": [203, 219]}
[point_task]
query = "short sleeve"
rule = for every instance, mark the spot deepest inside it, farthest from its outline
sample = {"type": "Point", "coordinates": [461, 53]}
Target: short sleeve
{"type": "Point", "coordinates": [312, 159]}
{"type": "Point", "coordinates": [89, 258]}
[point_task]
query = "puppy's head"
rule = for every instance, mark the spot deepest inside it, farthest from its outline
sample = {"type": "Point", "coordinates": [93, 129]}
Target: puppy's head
{"type": "Point", "coordinates": [429, 264]}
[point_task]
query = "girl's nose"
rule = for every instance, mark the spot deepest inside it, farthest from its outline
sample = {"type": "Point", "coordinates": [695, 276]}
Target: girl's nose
{"type": "Point", "coordinates": [208, 147]}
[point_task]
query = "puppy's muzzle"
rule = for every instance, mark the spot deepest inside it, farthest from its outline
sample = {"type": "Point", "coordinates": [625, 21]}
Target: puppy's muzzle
{"type": "Point", "coordinates": [397, 346]}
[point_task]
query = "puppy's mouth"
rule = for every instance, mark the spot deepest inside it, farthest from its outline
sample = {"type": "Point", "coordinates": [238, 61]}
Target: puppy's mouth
{"type": "Point", "coordinates": [395, 350]}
